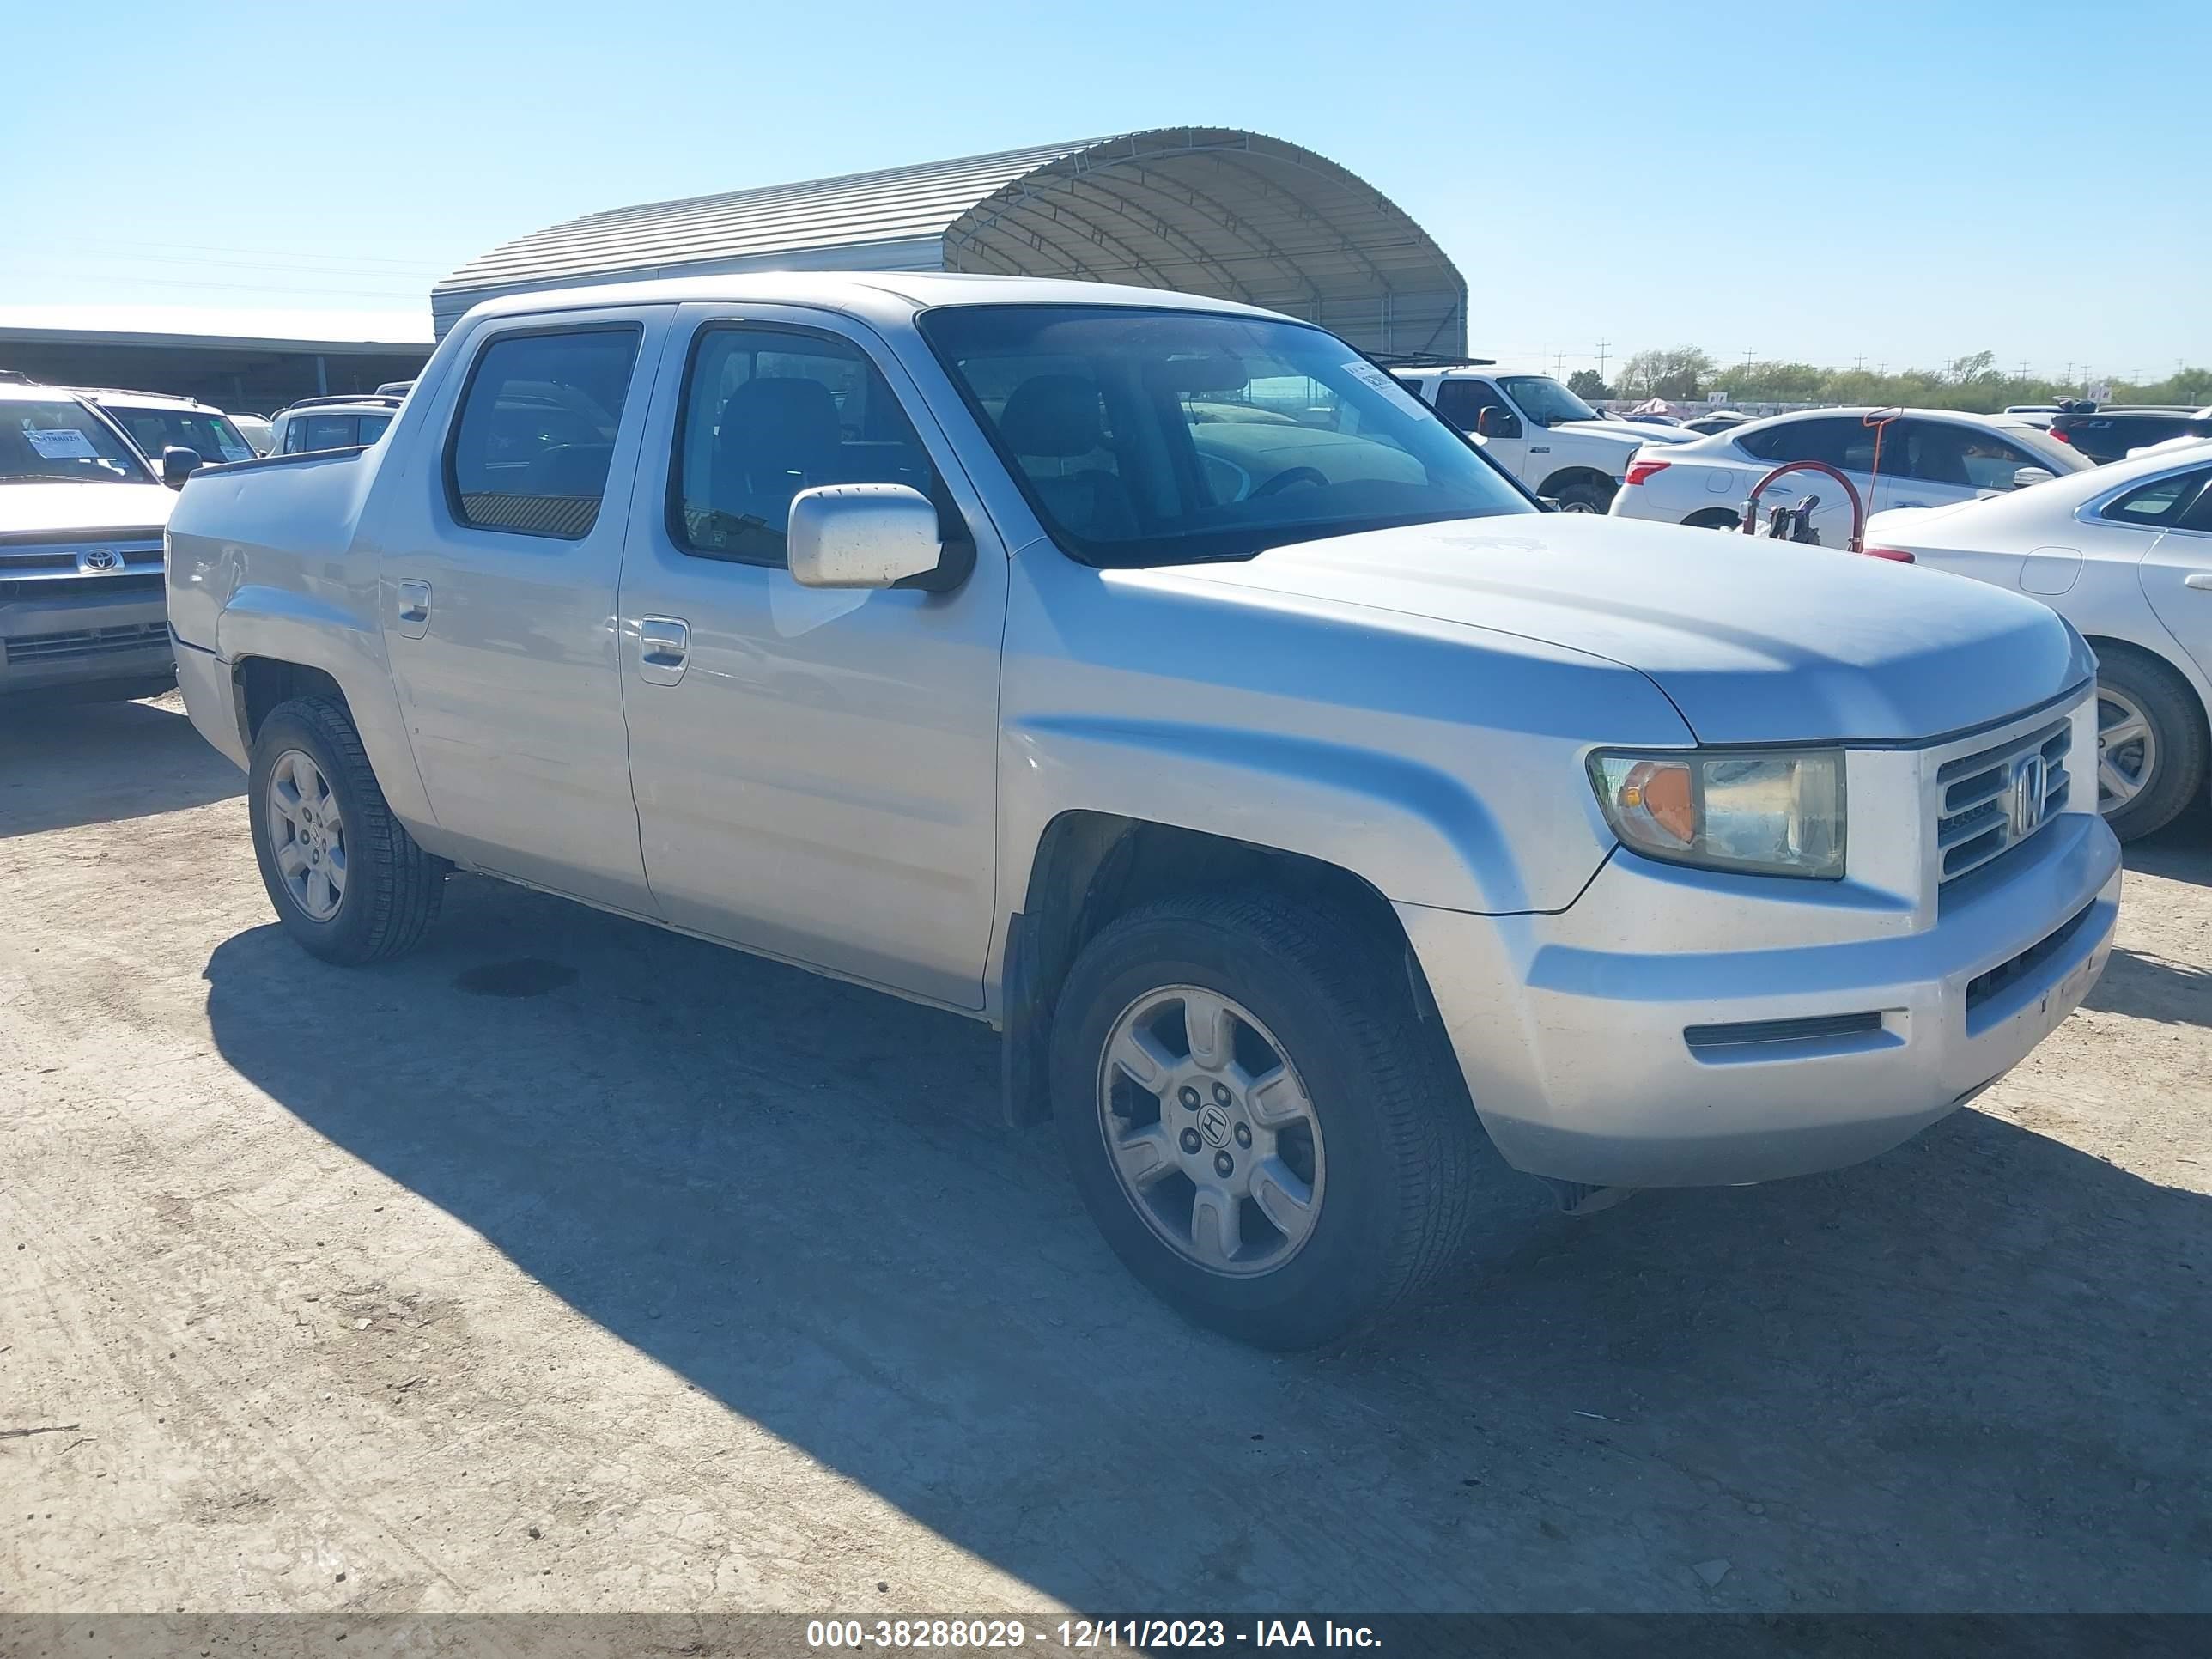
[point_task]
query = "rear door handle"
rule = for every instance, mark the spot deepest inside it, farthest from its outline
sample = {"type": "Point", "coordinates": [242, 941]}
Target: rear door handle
{"type": "Point", "coordinates": [664, 646]}
{"type": "Point", "coordinates": [2198, 579]}
{"type": "Point", "coordinates": [414, 609]}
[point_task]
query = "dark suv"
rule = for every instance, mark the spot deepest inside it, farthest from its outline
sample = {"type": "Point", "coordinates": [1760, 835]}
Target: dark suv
{"type": "Point", "coordinates": [2110, 433]}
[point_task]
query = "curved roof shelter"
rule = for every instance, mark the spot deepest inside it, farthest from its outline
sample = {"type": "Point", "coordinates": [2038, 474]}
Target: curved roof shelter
{"type": "Point", "coordinates": [1209, 210]}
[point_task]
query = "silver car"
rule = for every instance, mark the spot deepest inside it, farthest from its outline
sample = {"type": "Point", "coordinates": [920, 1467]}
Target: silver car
{"type": "Point", "coordinates": [1329, 831]}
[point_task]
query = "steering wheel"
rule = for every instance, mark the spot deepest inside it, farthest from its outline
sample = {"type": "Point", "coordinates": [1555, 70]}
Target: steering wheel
{"type": "Point", "coordinates": [1297, 474]}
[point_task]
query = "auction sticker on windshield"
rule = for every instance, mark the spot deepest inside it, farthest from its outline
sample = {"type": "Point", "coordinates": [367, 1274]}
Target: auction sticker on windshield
{"type": "Point", "coordinates": [1368, 374]}
{"type": "Point", "coordinates": [61, 443]}
{"type": "Point", "coordinates": [235, 453]}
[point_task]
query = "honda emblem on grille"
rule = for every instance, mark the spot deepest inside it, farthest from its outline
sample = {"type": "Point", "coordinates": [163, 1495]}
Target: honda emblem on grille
{"type": "Point", "coordinates": [93, 559]}
{"type": "Point", "coordinates": [2030, 777]}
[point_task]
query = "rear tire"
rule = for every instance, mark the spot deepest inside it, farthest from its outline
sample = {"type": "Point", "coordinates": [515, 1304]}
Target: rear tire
{"type": "Point", "coordinates": [2162, 770]}
{"type": "Point", "coordinates": [1389, 1155]}
{"type": "Point", "coordinates": [347, 880]}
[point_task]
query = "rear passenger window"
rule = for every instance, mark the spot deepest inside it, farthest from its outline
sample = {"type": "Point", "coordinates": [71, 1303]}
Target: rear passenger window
{"type": "Point", "coordinates": [327, 432]}
{"type": "Point", "coordinates": [768, 412]}
{"type": "Point", "coordinates": [1824, 440]}
{"type": "Point", "coordinates": [2162, 502]}
{"type": "Point", "coordinates": [372, 426]}
{"type": "Point", "coordinates": [536, 433]}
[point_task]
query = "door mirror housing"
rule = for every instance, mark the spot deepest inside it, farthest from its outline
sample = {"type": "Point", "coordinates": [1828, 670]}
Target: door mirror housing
{"type": "Point", "coordinates": [1496, 423]}
{"type": "Point", "coordinates": [177, 464]}
{"type": "Point", "coordinates": [866, 535]}
{"type": "Point", "coordinates": [2032, 475]}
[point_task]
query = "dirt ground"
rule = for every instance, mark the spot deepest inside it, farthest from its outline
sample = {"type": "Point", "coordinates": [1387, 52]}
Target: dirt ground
{"type": "Point", "coordinates": [570, 1265]}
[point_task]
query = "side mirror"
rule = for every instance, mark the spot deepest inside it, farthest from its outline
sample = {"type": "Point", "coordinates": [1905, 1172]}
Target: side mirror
{"type": "Point", "coordinates": [1495, 423]}
{"type": "Point", "coordinates": [2032, 475]}
{"type": "Point", "coordinates": [179, 464]}
{"type": "Point", "coordinates": [864, 535]}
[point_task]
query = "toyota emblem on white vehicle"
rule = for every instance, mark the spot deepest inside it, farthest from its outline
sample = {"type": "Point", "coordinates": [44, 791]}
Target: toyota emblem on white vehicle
{"type": "Point", "coordinates": [94, 560]}
{"type": "Point", "coordinates": [2024, 796]}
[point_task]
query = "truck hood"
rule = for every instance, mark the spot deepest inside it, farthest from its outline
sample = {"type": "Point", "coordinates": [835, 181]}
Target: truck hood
{"type": "Point", "coordinates": [65, 505]}
{"type": "Point", "coordinates": [1628, 432]}
{"type": "Point", "coordinates": [1753, 642]}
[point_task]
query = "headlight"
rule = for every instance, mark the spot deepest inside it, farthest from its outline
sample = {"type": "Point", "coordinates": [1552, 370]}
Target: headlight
{"type": "Point", "coordinates": [1777, 813]}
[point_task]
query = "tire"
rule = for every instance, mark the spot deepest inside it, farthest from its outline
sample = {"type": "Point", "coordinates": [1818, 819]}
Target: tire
{"type": "Point", "coordinates": [1716, 518]}
{"type": "Point", "coordinates": [1395, 1150]}
{"type": "Point", "coordinates": [1585, 495]}
{"type": "Point", "coordinates": [379, 891]}
{"type": "Point", "coordinates": [2132, 683]}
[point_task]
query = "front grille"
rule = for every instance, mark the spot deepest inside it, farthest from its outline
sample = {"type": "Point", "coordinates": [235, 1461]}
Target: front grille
{"type": "Point", "coordinates": [1983, 987]}
{"type": "Point", "coordinates": [85, 642]}
{"type": "Point", "coordinates": [1977, 795]}
{"type": "Point", "coordinates": [34, 566]}
{"type": "Point", "coordinates": [130, 581]}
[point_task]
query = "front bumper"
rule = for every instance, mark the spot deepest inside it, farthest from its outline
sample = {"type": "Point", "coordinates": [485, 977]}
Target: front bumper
{"type": "Point", "coordinates": [1672, 1069]}
{"type": "Point", "coordinates": [78, 639]}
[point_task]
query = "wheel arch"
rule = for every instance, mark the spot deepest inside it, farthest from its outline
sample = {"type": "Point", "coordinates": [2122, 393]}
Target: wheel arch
{"type": "Point", "coordinates": [1092, 866]}
{"type": "Point", "coordinates": [2103, 641]}
{"type": "Point", "coordinates": [1578, 473]}
{"type": "Point", "coordinates": [2200, 697]}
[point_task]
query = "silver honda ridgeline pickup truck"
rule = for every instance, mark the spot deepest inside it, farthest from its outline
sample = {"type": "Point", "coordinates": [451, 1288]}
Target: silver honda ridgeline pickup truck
{"type": "Point", "coordinates": [1320, 821]}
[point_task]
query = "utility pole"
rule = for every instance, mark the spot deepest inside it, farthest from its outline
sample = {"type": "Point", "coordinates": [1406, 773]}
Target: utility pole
{"type": "Point", "coordinates": [1558, 365]}
{"type": "Point", "coordinates": [1601, 345]}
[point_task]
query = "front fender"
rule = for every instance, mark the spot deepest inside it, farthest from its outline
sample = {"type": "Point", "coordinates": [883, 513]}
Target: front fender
{"type": "Point", "coordinates": [1406, 827]}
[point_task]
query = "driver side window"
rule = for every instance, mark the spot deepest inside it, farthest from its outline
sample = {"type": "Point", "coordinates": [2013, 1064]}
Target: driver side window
{"type": "Point", "coordinates": [769, 411]}
{"type": "Point", "coordinates": [1476, 406]}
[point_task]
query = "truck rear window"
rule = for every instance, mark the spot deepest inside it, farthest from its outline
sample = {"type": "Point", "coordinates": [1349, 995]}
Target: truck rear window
{"type": "Point", "coordinates": [531, 450]}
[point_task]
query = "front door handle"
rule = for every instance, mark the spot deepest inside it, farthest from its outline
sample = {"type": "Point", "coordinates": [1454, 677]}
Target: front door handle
{"type": "Point", "coordinates": [664, 646]}
{"type": "Point", "coordinates": [414, 609]}
{"type": "Point", "coordinates": [2197, 579]}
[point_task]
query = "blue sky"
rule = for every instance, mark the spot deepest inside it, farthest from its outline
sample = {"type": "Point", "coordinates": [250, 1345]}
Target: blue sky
{"type": "Point", "coordinates": [1905, 183]}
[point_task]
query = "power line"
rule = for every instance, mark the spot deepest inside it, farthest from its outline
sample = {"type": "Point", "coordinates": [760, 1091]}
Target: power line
{"type": "Point", "coordinates": [415, 293]}
{"type": "Point", "coordinates": [279, 253]}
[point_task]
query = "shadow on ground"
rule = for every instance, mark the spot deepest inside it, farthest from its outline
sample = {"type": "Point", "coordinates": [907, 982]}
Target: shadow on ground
{"type": "Point", "coordinates": [66, 764]}
{"type": "Point", "coordinates": [1971, 1375]}
{"type": "Point", "coordinates": [2180, 852]}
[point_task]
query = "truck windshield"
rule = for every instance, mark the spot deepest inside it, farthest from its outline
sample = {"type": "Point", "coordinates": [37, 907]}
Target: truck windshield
{"type": "Point", "coordinates": [211, 436]}
{"type": "Point", "coordinates": [42, 440]}
{"type": "Point", "coordinates": [1147, 437]}
{"type": "Point", "coordinates": [1545, 401]}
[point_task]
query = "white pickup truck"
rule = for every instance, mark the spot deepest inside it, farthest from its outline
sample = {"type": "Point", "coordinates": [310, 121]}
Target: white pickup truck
{"type": "Point", "coordinates": [1326, 828]}
{"type": "Point", "coordinates": [1542, 434]}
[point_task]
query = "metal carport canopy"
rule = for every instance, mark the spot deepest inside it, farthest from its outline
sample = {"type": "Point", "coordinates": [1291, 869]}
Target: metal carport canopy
{"type": "Point", "coordinates": [1210, 210]}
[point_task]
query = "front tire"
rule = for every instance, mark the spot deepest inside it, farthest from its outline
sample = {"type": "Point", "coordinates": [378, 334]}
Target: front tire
{"type": "Point", "coordinates": [1257, 1119]}
{"type": "Point", "coordinates": [1714, 518]}
{"type": "Point", "coordinates": [347, 880]}
{"type": "Point", "coordinates": [1585, 495]}
{"type": "Point", "coordinates": [2150, 743]}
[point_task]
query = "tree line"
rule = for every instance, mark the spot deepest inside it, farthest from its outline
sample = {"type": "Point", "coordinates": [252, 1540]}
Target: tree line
{"type": "Point", "coordinates": [1975, 383]}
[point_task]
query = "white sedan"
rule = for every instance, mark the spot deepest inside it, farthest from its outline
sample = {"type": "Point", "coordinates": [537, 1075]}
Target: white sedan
{"type": "Point", "coordinates": [1928, 458]}
{"type": "Point", "coordinates": [2124, 553]}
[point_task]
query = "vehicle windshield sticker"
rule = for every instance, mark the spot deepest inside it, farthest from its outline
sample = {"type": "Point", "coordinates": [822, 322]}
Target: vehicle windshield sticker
{"type": "Point", "coordinates": [235, 452]}
{"type": "Point", "coordinates": [61, 443]}
{"type": "Point", "coordinates": [1368, 374]}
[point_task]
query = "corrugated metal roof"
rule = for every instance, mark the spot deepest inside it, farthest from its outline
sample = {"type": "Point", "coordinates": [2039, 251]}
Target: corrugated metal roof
{"type": "Point", "coordinates": [1210, 211]}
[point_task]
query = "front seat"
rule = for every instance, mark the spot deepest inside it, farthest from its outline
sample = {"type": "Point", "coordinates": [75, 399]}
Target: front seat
{"type": "Point", "coordinates": [777, 437]}
{"type": "Point", "coordinates": [1056, 417]}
